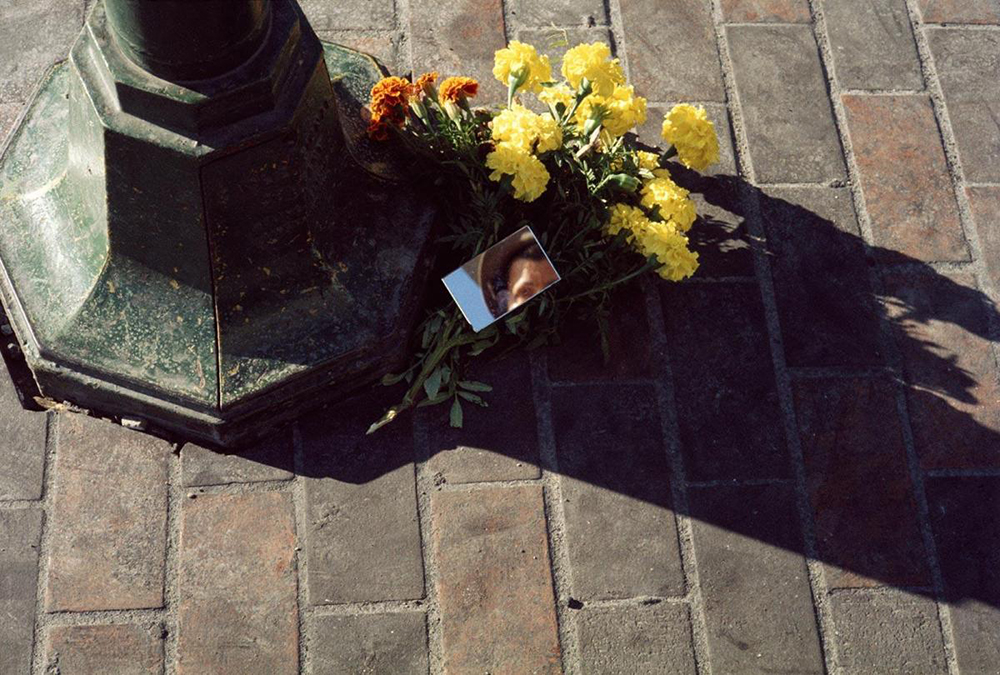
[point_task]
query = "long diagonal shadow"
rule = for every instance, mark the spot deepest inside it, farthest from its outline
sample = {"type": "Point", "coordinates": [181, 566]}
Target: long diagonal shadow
{"type": "Point", "coordinates": [719, 418]}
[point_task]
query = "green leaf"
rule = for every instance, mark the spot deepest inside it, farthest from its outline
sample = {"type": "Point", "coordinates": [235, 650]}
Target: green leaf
{"type": "Point", "coordinates": [456, 414]}
{"type": "Point", "coordinates": [473, 398]}
{"type": "Point", "coordinates": [433, 383]}
{"type": "Point", "coordinates": [472, 385]}
{"type": "Point", "coordinates": [389, 379]}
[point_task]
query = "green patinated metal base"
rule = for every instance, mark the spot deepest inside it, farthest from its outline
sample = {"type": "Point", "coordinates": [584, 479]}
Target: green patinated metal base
{"type": "Point", "coordinates": [209, 260]}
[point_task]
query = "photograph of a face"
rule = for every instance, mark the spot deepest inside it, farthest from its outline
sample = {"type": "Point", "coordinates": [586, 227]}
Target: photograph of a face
{"type": "Point", "coordinates": [501, 278]}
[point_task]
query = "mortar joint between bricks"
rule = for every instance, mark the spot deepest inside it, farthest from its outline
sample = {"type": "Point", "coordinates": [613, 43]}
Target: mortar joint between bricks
{"type": "Point", "coordinates": [424, 486]}
{"type": "Point", "coordinates": [670, 433]}
{"type": "Point", "coordinates": [894, 357]}
{"type": "Point", "coordinates": [555, 518]}
{"type": "Point", "coordinates": [38, 666]}
{"type": "Point", "coordinates": [754, 226]}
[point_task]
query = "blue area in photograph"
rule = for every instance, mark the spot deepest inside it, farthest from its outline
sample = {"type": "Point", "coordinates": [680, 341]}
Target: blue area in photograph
{"type": "Point", "coordinates": [469, 296]}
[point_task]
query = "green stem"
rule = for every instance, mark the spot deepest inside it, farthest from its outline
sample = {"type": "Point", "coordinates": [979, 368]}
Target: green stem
{"type": "Point", "coordinates": [611, 284]}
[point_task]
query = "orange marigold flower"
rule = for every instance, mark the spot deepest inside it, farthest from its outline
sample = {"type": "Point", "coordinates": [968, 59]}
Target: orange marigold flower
{"type": "Point", "coordinates": [390, 96]}
{"type": "Point", "coordinates": [456, 88]}
{"type": "Point", "coordinates": [423, 82]}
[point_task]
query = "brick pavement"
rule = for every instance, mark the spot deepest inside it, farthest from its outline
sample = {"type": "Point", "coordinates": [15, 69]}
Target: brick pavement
{"type": "Point", "coordinates": [791, 463]}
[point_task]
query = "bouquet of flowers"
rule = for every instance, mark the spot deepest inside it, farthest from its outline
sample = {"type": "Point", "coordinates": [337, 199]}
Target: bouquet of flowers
{"type": "Point", "coordinates": [558, 157]}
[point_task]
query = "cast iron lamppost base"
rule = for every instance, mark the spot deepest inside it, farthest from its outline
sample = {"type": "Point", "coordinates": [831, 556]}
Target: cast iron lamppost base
{"type": "Point", "coordinates": [194, 228]}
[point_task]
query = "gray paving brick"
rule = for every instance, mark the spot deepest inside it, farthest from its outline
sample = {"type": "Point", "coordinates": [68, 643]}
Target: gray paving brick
{"type": "Point", "coordinates": [371, 643]}
{"type": "Point", "coordinates": [754, 581]}
{"type": "Point", "coordinates": [459, 38]}
{"type": "Point", "coordinates": [985, 203]}
{"type": "Point", "coordinates": [636, 640]}
{"type": "Point", "coordinates": [786, 110]}
{"type": "Point", "coordinates": [965, 518]}
{"type": "Point", "coordinates": [22, 446]}
{"type": "Point", "coordinates": [826, 306]}
{"type": "Point", "coordinates": [873, 46]}
{"type": "Point", "coordinates": [108, 519]}
{"type": "Point", "coordinates": [672, 54]}
{"type": "Point", "coordinates": [121, 649]}
{"type": "Point", "coordinates": [326, 15]}
{"type": "Point", "coordinates": [766, 11]}
{"type": "Point", "coordinates": [363, 538]}
{"type": "Point", "coordinates": [887, 633]}
{"type": "Point", "coordinates": [864, 511]}
{"type": "Point", "coordinates": [20, 538]}
{"type": "Point", "coordinates": [483, 450]}
{"type": "Point", "coordinates": [33, 36]}
{"type": "Point", "coordinates": [560, 12]}
{"type": "Point", "coordinates": [967, 64]}
{"type": "Point", "coordinates": [727, 399]}
{"type": "Point", "coordinates": [620, 528]}
{"type": "Point", "coordinates": [270, 459]}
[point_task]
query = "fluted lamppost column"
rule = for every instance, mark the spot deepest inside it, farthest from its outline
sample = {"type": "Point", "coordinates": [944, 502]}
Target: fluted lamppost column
{"type": "Point", "coordinates": [196, 236]}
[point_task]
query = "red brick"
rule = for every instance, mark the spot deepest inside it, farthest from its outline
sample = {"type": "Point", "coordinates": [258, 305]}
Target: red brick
{"type": "Point", "coordinates": [754, 11]}
{"type": "Point", "coordinates": [20, 537]}
{"type": "Point", "coordinates": [494, 584]}
{"type": "Point", "coordinates": [483, 450]}
{"type": "Point", "coordinates": [237, 586]}
{"type": "Point", "coordinates": [942, 328]}
{"type": "Point", "coordinates": [121, 649]}
{"type": "Point", "coordinates": [459, 38]}
{"type": "Point", "coordinates": [904, 177]}
{"type": "Point", "coordinates": [959, 11]}
{"type": "Point", "coordinates": [672, 55]}
{"type": "Point", "coordinates": [108, 518]}
{"type": "Point", "coordinates": [986, 214]}
{"type": "Point", "coordinates": [859, 487]}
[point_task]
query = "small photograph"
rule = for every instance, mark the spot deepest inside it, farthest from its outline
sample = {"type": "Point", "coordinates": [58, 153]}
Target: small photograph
{"type": "Point", "coordinates": [501, 278]}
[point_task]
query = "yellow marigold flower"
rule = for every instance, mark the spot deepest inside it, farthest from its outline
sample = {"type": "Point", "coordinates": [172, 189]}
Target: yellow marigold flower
{"type": "Point", "coordinates": [593, 62]}
{"type": "Point", "coordinates": [672, 200]}
{"type": "Point", "coordinates": [689, 130]}
{"type": "Point", "coordinates": [559, 93]}
{"type": "Point", "coordinates": [647, 160]}
{"type": "Point", "coordinates": [623, 109]}
{"type": "Point", "coordinates": [632, 219]}
{"type": "Point", "coordinates": [670, 247]}
{"type": "Point", "coordinates": [518, 55]}
{"type": "Point", "coordinates": [527, 130]}
{"type": "Point", "coordinates": [454, 89]}
{"type": "Point", "coordinates": [530, 175]}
